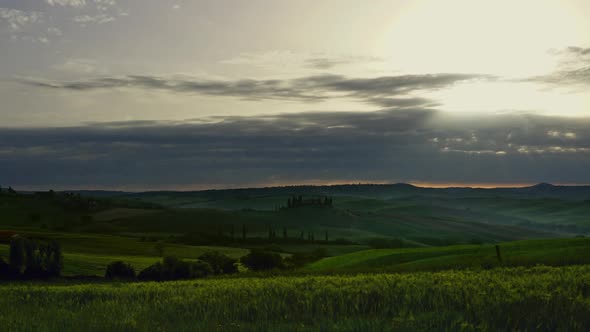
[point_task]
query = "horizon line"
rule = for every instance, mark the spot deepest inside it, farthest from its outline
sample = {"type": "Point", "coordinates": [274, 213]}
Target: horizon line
{"type": "Point", "coordinates": [189, 188]}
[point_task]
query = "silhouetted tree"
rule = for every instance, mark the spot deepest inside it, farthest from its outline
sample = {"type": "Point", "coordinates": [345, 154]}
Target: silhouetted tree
{"type": "Point", "coordinates": [172, 268]}
{"type": "Point", "coordinates": [243, 231]}
{"type": "Point", "coordinates": [258, 260]}
{"type": "Point", "coordinates": [120, 270]}
{"type": "Point", "coordinates": [17, 255]}
{"type": "Point", "coordinates": [54, 258]}
{"type": "Point", "coordinates": [220, 263]}
{"type": "Point", "coordinates": [35, 260]}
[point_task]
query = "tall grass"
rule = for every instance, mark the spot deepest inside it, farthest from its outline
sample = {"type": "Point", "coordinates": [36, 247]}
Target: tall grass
{"type": "Point", "coordinates": [538, 298]}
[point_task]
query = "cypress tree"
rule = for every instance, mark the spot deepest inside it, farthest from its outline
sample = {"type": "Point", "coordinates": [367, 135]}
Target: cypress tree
{"type": "Point", "coordinates": [17, 257]}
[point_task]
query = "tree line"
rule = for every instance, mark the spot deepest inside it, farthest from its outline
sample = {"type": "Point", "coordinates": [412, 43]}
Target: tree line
{"type": "Point", "coordinates": [299, 201]}
{"type": "Point", "coordinates": [229, 234]}
{"type": "Point", "coordinates": [210, 263]}
{"type": "Point", "coordinates": [31, 259]}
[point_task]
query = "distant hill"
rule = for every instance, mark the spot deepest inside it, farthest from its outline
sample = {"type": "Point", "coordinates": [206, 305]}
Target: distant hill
{"type": "Point", "coordinates": [381, 191]}
{"type": "Point", "coordinates": [97, 193]}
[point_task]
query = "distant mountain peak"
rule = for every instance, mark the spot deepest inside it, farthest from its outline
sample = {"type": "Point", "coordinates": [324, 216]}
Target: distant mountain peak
{"type": "Point", "coordinates": [405, 185]}
{"type": "Point", "coordinates": [543, 185]}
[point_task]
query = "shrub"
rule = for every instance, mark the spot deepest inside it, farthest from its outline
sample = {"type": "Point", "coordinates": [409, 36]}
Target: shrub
{"type": "Point", "coordinates": [220, 263]}
{"type": "Point", "coordinates": [120, 270]}
{"type": "Point", "coordinates": [200, 269]}
{"type": "Point", "coordinates": [152, 272]}
{"type": "Point", "coordinates": [260, 260]}
{"type": "Point", "coordinates": [172, 268]}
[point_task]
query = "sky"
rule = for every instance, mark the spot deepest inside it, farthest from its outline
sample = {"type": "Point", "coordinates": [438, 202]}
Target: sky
{"type": "Point", "coordinates": [192, 94]}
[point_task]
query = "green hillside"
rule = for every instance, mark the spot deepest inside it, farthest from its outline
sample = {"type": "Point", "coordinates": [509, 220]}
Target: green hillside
{"type": "Point", "coordinates": [555, 252]}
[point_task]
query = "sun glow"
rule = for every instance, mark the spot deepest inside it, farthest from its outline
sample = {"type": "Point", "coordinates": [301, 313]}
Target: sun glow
{"type": "Point", "coordinates": [507, 38]}
{"type": "Point", "coordinates": [498, 96]}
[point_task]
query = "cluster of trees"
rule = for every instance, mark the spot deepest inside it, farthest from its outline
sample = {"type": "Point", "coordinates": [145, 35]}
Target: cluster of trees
{"type": "Point", "coordinates": [9, 190]}
{"type": "Point", "coordinates": [300, 237]}
{"type": "Point", "coordinates": [299, 201]}
{"type": "Point", "coordinates": [30, 259]}
{"type": "Point", "coordinates": [172, 268]}
{"type": "Point", "coordinates": [259, 260]}
{"type": "Point", "coordinates": [210, 263]}
{"type": "Point", "coordinates": [228, 234]}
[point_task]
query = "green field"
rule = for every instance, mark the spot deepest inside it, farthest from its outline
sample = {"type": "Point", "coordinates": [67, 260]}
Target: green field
{"type": "Point", "coordinates": [556, 252]}
{"type": "Point", "coordinates": [439, 269]}
{"type": "Point", "coordinates": [538, 298]}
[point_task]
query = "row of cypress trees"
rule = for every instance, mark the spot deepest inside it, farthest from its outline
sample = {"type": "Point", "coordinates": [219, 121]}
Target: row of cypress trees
{"type": "Point", "coordinates": [32, 259]}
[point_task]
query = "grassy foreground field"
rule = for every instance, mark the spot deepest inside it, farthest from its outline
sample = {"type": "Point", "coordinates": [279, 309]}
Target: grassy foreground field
{"type": "Point", "coordinates": [538, 298]}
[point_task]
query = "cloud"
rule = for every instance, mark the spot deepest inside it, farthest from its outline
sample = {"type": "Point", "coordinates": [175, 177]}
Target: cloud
{"type": "Point", "coordinates": [67, 3]}
{"type": "Point", "coordinates": [381, 91]}
{"type": "Point", "coordinates": [331, 62]}
{"type": "Point", "coordinates": [18, 19]}
{"type": "Point", "coordinates": [95, 19]}
{"type": "Point", "coordinates": [574, 68]}
{"type": "Point", "coordinates": [79, 66]}
{"type": "Point", "coordinates": [403, 145]}
{"type": "Point", "coordinates": [578, 50]}
{"type": "Point", "coordinates": [403, 102]}
{"type": "Point", "coordinates": [101, 5]}
{"type": "Point", "coordinates": [53, 31]}
{"type": "Point", "coordinates": [104, 5]}
{"type": "Point", "coordinates": [576, 76]}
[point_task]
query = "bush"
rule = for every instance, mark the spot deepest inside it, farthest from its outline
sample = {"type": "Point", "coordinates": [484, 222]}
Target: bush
{"type": "Point", "coordinates": [172, 268]}
{"type": "Point", "coordinates": [220, 263]}
{"type": "Point", "coordinates": [120, 270]}
{"type": "Point", "coordinates": [152, 272]}
{"type": "Point", "coordinates": [260, 260]}
{"type": "Point", "coordinates": [200, 269]}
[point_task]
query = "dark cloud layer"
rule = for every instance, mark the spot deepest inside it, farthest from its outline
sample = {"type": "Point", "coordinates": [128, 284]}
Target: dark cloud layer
{"type": "Point", "coordinates": [390, 145]}
{"type": "Point", "coordinates": [307, 89]}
